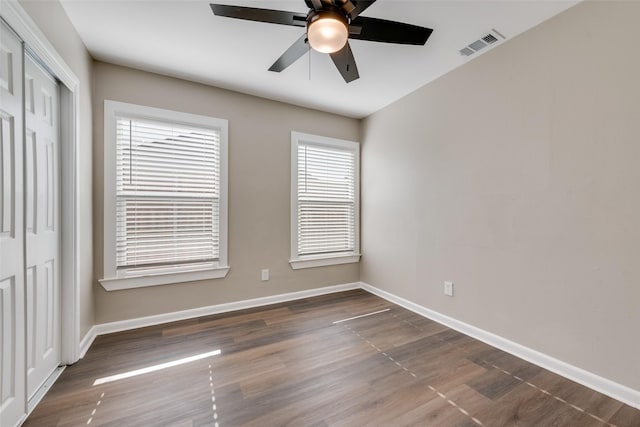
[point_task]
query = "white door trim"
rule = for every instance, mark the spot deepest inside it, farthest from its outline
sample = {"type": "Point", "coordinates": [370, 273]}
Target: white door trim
{"type": "Point", "coordinates": [20, 21]}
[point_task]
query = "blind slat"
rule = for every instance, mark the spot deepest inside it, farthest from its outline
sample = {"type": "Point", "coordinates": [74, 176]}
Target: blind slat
{"type": "Point", "coordinates": [326, 199]}
{"type": "Point", "coordinates": [168, 183]}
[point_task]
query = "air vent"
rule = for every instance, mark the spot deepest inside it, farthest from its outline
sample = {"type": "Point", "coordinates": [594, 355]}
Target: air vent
{"type": "Point", "coordinates": [486, 40]}
{"type": "Point", "coordinates": [489, 39]}
{"type": "Point", "coordinates": [477, 45]}
{"type": "Point", "coordinates": [466, 51]}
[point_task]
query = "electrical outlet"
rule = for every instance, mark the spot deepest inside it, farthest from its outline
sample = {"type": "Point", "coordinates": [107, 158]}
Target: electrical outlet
{"type": "Point", "coordinates": [448, 288]}
{"type": "Point", "coordinates": [265, 274]}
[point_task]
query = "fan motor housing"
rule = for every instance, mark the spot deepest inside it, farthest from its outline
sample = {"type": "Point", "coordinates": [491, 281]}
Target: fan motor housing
{"type": "Point", "coordinates": [314, 15]}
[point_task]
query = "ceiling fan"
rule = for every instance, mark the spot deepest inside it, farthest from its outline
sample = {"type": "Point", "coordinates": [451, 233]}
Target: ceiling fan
{"type": "Point", "coordinates": [329, 23]}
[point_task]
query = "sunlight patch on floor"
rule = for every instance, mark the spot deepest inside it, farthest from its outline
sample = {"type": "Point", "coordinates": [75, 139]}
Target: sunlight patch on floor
{"type": "Point", "coordinates": [155, 368]}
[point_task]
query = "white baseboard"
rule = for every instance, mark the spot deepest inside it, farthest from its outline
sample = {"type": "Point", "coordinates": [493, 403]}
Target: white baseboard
{"type": "Point", "coordinates": [86, 342]}
{"type": "Point", "coordinates": [615, 390]}
{"type": "Point", "coordinates": [158, 319]}
{"type": "Point", "coordinates": [605, 386]}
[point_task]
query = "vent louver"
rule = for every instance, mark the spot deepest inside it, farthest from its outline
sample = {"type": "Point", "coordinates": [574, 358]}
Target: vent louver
{"type": "Point", "coordinates": [466, 51]}
{"type": "Point", "coordinates": [490, 39]}
{"type": "Point", "coordinates": [477, 45]}
{"type": "Point", "coordinates": [486, 40]}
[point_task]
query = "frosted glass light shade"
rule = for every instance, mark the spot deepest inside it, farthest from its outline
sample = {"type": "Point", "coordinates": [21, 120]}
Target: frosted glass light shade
{"type": "Point", "coordinates": [327, 34]}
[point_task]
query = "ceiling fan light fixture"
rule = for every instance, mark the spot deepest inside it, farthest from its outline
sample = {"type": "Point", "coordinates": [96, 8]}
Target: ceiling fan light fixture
{"type": "Point", "coordinates": [327, 31]}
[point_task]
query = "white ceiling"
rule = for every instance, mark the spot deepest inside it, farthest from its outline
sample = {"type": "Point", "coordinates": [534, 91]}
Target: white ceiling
{"type": "Point", "coordinates": [183, 38]}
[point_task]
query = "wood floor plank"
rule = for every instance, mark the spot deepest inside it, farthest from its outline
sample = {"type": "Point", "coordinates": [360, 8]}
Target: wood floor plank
{"type": "Point", "coordinates": [626, 416]}
{"type": "Point", "coordinates": [290, 364]}
{"type": "Point", "coordinates": [576, 394]}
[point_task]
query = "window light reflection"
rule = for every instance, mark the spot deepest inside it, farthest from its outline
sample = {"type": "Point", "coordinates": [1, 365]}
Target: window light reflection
{"type": "Point", "coordinates": [154, 368]}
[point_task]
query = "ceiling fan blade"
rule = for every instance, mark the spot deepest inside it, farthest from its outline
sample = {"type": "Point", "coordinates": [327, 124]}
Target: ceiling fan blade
{"type": "Point", "coordinates": [360, 6]}
{"type": "Point", "coordinates": [291, 55]}
{"type": "Point", "coordinates": [381, 30]}
{"type": "Point", "coordinates": [260, 15]}
{"type": "Point", "coordinates": [315, 4]}
{"type": "Point", "coordinates": [346, 63]}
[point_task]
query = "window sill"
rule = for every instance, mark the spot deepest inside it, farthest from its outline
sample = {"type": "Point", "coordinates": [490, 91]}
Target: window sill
{"type": "Point", "coordinates": [310, 262]}
{"type": "Point", "coordinates": [119, 283]}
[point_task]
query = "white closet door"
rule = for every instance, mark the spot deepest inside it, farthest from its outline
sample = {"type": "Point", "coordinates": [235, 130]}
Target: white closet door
{"type": "Point", "coordinates": [12, 333]}
{"type": "Point", "coordinates": [42, 223]}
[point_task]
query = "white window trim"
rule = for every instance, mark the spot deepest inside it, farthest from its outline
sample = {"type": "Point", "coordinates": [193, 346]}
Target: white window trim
{"type": "Point", "coordinates": [299, 262]}
{"type": "Point", "coordinates": [114, 280]}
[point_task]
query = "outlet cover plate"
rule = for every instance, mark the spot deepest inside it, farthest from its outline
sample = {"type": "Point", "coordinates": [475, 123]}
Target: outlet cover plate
{"type": "Point", "coordinates": [448, 288]}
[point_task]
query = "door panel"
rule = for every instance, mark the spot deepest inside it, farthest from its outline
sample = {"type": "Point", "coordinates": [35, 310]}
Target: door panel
{"type": "Point", "coordinates": [12, 332]}
{"type": "Point", "coordinates": [42, 225]}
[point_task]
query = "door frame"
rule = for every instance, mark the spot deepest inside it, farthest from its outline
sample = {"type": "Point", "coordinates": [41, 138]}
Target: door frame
{"type": "Point", "coordinates": [36, 43]}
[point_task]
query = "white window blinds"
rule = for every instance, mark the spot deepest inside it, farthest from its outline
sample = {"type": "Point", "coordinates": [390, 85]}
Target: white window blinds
{"type": "Point", "coordinates": [326, 207]}
{"type": "Point", "coordinates": [167, 195]}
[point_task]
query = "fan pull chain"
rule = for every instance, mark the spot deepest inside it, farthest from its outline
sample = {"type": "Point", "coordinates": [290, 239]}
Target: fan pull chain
{"type": "Point", "coordinates": [309, 53]}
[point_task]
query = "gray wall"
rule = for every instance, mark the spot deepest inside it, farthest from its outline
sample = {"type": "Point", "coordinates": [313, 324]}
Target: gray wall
{"type": "Point", "coordinates": [516, 176]}
{"type": "Point", "coordinates": [259, 192]}
{"type": "Point", "coordinates": [52, 20]}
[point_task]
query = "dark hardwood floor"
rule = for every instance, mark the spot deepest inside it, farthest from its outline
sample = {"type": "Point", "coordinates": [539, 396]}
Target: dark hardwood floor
{"type": "Point", "coordinates": [290, 364]}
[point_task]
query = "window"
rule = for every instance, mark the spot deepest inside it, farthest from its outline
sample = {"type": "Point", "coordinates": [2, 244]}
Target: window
{"type": "Point", "coordinates": [165, 196]}
{"type": "Point", "coordinates": [324, 201]}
